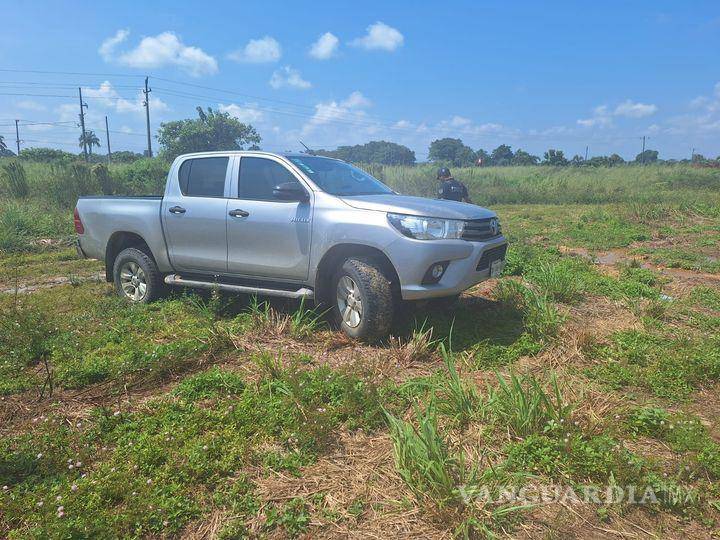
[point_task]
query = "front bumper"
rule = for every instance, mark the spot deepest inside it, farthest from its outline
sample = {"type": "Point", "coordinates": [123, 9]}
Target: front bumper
{"type": "Point", "coordinates": [412, 258]}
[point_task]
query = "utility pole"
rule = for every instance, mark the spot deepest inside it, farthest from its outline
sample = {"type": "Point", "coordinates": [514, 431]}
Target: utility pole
{"type": "Point", "coordinates": [82, 124]}
{"type": "Point", "coordinates": [107, 137]}
{"type": "Point", "coordinates": [586, 152]}
{"type": "Point", "coordinates": [146, 103]}
{"type": "Point", "coordinates": [692, 154]}
{"type": "Point", "coordinates": [642, 156]}
{"type": "Point", "coordinates": [17, 137]}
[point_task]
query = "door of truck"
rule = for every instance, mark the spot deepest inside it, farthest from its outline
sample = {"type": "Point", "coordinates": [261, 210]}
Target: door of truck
{"type": "Point", "coordinates": [194, 212]}
{"type": "Point", "coordinates": [267, 237]}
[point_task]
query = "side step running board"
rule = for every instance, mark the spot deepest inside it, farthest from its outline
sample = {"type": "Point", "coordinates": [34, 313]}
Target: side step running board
{"type": "Point", "coordinates": [177, 281]}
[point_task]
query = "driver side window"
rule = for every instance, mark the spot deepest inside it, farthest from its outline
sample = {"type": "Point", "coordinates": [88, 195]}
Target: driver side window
{"type": "Point", "coordinates": [258, 177]}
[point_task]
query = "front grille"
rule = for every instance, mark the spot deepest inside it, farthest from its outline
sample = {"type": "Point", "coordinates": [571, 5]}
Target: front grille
{"type": "Point", "coordinates": [490, 255]}
{"type": "Point", "coordinates": [478, 229]}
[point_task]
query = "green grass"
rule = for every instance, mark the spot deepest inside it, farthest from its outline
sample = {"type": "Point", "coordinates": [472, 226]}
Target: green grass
{"type": "Point", "coordinates": [667, 366]}
{"type": "Point", "coordinates": [187, 407]}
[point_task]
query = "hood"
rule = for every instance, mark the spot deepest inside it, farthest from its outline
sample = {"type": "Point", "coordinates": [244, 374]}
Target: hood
{"type": "Point", "coordinates": [418, 206]}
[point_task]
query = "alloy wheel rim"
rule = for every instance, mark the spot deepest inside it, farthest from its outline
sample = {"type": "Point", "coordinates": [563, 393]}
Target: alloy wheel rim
{"type": "Point", "coordinates": [132, 281]}
{"type": "Point", "coordinates": [349, 302]}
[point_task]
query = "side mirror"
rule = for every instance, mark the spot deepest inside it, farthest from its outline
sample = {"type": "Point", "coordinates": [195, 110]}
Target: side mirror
{"type": "Point", "coordinates": [290, 191]}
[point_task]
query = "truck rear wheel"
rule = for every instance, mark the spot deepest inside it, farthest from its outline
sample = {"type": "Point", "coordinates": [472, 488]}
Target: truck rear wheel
{"type": "Point", "coordinates": [363, 306]}
{"type": "Point", "coordinates": [137, 277]}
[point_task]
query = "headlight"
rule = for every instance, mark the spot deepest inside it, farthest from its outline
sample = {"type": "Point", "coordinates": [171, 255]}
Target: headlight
{"type": "Point", "coordinates": [427, 228]}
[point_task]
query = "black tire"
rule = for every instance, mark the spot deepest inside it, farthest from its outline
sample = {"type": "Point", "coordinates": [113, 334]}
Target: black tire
{"type": "Point", "coordinates": [376, 298]}
{"type": "Point", "coordinates": [148, 275]}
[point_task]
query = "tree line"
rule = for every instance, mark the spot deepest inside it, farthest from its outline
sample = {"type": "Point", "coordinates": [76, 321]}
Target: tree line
{"type": "Point", "coordinates": [215, 130]}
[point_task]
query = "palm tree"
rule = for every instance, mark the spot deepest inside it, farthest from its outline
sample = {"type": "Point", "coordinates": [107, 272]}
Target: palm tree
{"type": "Point", "coordinates": [90, 140]}
{"type": "Point", "coordinates": [3, 146]}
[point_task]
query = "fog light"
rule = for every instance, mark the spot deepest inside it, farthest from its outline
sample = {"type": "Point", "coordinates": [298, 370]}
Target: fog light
{"type": "Point", "coordinates": [434, 273]}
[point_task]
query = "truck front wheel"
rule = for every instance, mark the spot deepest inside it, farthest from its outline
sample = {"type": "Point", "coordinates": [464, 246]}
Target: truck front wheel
{"type": "Point", "coordinates": [137, 277]}
{"type": "Point", "coordinates": [363, 306]}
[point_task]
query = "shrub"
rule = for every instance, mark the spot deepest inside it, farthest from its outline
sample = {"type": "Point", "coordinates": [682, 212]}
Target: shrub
{"type": "Point", "coordinates": [142, 177]}
{"type": "Point", "coordinates": [103, 178]}
{"type": "Point", "coordinates": [67, 182]}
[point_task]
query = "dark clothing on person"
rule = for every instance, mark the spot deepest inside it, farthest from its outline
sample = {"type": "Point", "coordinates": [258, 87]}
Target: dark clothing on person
{"type": "Point", "coordinates": [453, 190]}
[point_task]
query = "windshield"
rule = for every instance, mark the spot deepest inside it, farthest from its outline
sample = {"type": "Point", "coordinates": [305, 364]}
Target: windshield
{"type": "Point", "coordinates": [339, 178]}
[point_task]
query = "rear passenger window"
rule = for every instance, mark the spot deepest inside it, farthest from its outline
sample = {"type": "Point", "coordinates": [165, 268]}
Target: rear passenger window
{"type": "Point", "coordinates": [258, 177]}
{"type": "Point", "coordinates": [203, 177]}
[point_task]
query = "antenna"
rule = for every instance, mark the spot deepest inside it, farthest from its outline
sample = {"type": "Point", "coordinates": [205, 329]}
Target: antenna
{"type": "Point", "coordinates": [311, 152]}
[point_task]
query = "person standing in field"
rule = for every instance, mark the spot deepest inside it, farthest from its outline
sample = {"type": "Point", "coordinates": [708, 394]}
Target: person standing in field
{"type": "Point", "coordinates": [450, 189]}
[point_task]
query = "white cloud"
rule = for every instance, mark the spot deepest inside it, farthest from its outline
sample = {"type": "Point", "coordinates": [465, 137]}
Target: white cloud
{"type": "Point", "coordinates": [380, 36]}
{"type": "Point", "coordinates": [603, 116]}
{"type": "Point", "coordinates": [258, 51]}
{"type": "Point", "coordinates": [325, 46]}
{"type": "Point", "coordinates": [30, 105]}
{"type": "Point", "coordinates": [107, 48]}
{"type": "Point", "coordinates": [288, 77]}
{"type": "Point", "coordinates": [595, 121]}
{"type": "Point", "coordinates": [165, 49]}
{"type": "Point", "coordinates": [631, 109]}
{"type": "Point", "coordinates": [356, 101]}
{"type": "Point", "coordinates": [350, 109]}
{"type": "Point", "coordinates": [704, 118]}
{"type": "Point", "coordinates": [247, 113]}
{"type": "Point", "coordinates": [105, 98]}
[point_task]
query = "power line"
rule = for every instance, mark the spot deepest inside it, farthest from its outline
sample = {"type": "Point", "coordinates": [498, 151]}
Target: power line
{"type": "Point", "coordinates": [65, 96]}
{"type": "Point", "coordinates": [46, 72]}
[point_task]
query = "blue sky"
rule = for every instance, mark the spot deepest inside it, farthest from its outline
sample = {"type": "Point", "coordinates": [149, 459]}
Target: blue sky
{"type": "Point", "coordinates": [534, 75]}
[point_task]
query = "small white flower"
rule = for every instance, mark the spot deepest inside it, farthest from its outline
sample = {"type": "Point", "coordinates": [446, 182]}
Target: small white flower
{"type": "Point", "coordinates": [148, 481]}
{"type": "Point", "coordinates": [39, 455]}
{"type": "Point", "coordinates": [566, 440]}
{"type": "Point", "coordinates": [71, 466]}
{"type": "Point", "coordinates": [73, 487]}
{"type": "Point", "coordinates": [78, 463]}
{"type": "Point", "coordinates": [5, 488]}
{"type": "Point", "coordinates": [113, 469]}
{"type": "Point", "coordinates": [83, 475]}
{"type": "Point", "coordinates": [205, 447]}
{"type": "Point", "coordinates": [39, 503]}
{"type": "Point", "coordinates": [78, 425]}
{"type": "Point", "coordinates": [116, 413]}
{"type": "Point", "coordinates": [134, 493]}
{"type": "Point", "coordinates": [58, 498]}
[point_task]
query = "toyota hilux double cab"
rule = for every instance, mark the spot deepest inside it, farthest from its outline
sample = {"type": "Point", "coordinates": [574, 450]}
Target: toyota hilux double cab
{"type": "Point", "coordinates": [295, 226]}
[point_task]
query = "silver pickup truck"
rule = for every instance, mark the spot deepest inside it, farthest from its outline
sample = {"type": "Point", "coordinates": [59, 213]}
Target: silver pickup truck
{"type": "Point", "coordinates": [292, 225]}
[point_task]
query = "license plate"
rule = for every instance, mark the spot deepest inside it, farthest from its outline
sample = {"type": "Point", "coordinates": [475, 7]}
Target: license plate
{"type": "Point", "coordinates": [496, 267]}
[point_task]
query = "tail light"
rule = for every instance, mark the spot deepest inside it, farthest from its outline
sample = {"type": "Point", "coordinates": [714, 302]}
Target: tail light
{"type": "Point", "coordinates": [79, 228]}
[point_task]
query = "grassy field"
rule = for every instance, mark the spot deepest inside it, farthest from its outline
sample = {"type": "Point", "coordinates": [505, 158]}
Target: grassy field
{"type": "Point", "coordinates": [591, 367]}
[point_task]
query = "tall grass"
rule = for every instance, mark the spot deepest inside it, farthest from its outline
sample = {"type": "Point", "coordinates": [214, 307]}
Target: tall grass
{"type": "Point", "coordinates": [432, 472]}
{"type": "Point", "coordinates": [522, 403]}
{"type": "Point", "coordinates": [14, 179]}
{"type": "Point", "coordinates": [540, 315]}
{"type": "Point", "coordinates": [674, 184]}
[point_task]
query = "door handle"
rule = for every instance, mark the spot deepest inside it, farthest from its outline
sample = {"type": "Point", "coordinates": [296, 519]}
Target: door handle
{"type": "Point", "coordinates": [177, 210]}
{"type": "Point", "coordinates": [239, 213]}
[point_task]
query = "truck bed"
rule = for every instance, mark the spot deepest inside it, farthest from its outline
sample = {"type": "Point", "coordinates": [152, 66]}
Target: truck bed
{"type": "Point", "coordinates": [105, 216]}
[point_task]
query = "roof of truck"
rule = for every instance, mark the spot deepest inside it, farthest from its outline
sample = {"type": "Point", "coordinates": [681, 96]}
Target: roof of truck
{"type": "Point", "coordinates": [252, 152]}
